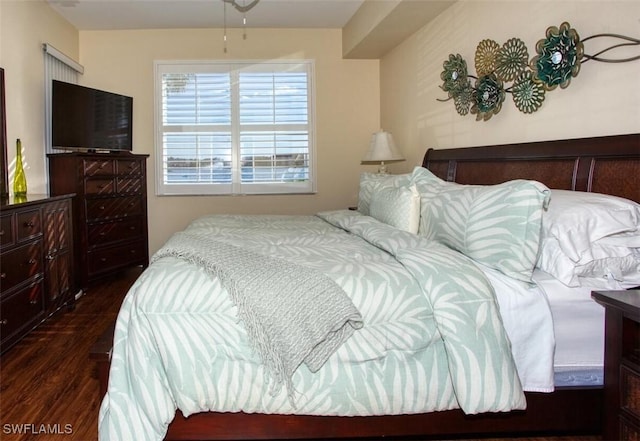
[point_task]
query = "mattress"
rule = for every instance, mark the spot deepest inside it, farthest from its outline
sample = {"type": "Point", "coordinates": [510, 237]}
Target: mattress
{"type": "Point", "coordinates": [578, 323]}
{"type": "Point", "coordinates": [560, 325]}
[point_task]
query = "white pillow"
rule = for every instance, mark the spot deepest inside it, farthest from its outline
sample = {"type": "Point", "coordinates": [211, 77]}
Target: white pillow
{"type": "Point", "coordinates": [398, 207]}
{"type": "Point", "coordinates": [602, 266]}
{"type": "Point", "coordinates": [578, 219]}
{"type": "Point", "coordinates": [371, 181]}
{"type": "Point", "coordinates": [618, 263]}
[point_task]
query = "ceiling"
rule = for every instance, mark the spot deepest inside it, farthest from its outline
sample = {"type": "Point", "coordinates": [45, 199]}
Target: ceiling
{"type": "Point", "coordinates": [167, 14]}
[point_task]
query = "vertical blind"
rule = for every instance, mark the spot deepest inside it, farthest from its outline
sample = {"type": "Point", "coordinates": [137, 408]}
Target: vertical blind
{"type": "Point", "coordinates": [57, 66]}
{"type": "Point", "coordinates": [227, 128]}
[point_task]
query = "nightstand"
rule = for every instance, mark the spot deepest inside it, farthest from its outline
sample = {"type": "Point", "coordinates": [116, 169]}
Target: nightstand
{"type": "Point", "coordinates": [621, 363]}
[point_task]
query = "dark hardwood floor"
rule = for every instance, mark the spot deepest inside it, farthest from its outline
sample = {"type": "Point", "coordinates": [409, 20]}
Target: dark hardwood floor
{"type": "Point", "coordinates": [48, 379]}
{"type": "Point", "coordinates": [48, 385]}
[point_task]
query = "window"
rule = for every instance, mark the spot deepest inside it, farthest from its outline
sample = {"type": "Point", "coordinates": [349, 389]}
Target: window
{"type": "Point", "coordinates": [234, 128]}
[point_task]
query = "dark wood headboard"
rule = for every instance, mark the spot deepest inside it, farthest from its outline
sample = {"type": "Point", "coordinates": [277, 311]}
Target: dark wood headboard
{"type": "Point", "coordinates": [607, 164]}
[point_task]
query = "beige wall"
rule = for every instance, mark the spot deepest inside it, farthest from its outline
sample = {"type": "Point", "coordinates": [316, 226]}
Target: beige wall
{"type": "Point", "coordinates": [352, 96]}
{"type": "Point", "coordinates": [603, 99]}
{"type": "Point", "coordinates": [24, 27]}
{"type": "Point", "coordinates": [347, 106]}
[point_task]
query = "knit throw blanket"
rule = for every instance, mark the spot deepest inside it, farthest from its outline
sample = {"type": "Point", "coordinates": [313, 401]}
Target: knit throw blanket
{"type": "Point", "coordinates": [292, 313]}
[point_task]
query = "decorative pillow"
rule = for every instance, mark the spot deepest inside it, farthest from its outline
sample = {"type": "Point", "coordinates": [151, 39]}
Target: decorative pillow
{"type": "Point", "coordinates": [602, 266]}
{"type": "Point", "coordinates": [370, 181]}
{"type": "Point", "coordinates": [578, 219]}
{"type": "Point", "coordinates": [426, 182]}
{"type": "Point", "coordinates": [398, 207]}
{"type": "Point", "coordinates": [496, 225]}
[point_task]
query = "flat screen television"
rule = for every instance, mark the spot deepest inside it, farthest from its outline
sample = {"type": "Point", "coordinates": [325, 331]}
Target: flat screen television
{"type": "Point", "coordinates": [89, 119]}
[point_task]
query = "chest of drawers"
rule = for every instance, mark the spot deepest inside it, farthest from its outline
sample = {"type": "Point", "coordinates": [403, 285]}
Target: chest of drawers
{"type": "Point", "coordinates": [111, 209]}
{"type": "Point", "coordinates": [36, 263]}
{"type": "Point", "coordinates": [621, 363]}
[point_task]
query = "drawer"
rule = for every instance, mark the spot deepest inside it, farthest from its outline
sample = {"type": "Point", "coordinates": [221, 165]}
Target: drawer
{"type": "Point", "coordinates": [20, 264]}
{"type": "Point", "coordinates": [99, 186]}
{"type": "Point", "coordinates": [97, 167]}
{"type": "Point", "coordinates": [121, 229]}
{"type": "Point", "coordinates": [628, 430]}
{"type": "Point", "coordinates": [128, 167]}
{"type": "Point", "coordinates": [630, 390]}
{"type": "Point", "coordinates": [28, 224]}
{"type": "Point", "coordinates": [129, 185]}
{"type": "Point", "coordinates": [6, 230]}
{"type": "Point", "coordinates": [113, 207]}
{"type": "Point", "coordinates": [22, 308]}
{"type": "Point", "coordinates": [104, 260]}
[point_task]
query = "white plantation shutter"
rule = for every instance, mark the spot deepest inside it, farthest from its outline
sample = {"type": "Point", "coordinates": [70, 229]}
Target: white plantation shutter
{"type": "Point", "coordinates": [239, 127]}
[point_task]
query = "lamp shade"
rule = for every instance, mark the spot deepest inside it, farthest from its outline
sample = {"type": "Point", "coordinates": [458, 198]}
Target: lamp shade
{"type": "Point", "coordinates": [382, 149]}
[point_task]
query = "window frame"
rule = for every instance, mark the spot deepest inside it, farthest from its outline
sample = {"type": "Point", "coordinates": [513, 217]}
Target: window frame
{"type": "Point", "coordinates": [236, 187]}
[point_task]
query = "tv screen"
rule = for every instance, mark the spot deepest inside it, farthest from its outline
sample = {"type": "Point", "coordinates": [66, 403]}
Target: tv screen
{"type": "Point", "coordinates": [90, 119]}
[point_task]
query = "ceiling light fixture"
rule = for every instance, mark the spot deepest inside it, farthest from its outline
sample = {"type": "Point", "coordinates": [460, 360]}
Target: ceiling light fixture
{"type": "Point", "coordinates": [244, 8]}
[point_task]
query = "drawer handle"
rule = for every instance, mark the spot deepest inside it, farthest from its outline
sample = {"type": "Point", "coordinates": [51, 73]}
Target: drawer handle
{"type": "Point", "coordinates": [33, 302]}
{"type": "Point", "coordinates": [101, 207]}
{"type": "Point", "coordinates": [4, 322]}
{"type": "Point", "coordinates": [29, 224]}
{"type": "Point", "coordinates": [103, 259]}
{"type": "Point", "coordinates": [49, 257]}
{"type": "Point", "coordinates": [1, 232]}
{"type": "Point", "coordinates": [32, 261]}
{"type": "Point", "coordinates": [3, 275]}
{"type": "Point", "coordinates": [132, 228]}
{"type": "Point", "coordinates": [102, 234]}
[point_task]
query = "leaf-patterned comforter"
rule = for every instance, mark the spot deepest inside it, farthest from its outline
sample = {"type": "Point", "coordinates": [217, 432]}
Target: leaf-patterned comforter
{"type": "Point", "coordinates": [432, 336]}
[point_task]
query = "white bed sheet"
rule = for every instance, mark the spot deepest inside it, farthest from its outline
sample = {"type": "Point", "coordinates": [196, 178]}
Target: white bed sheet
{"type": "Point", "coordinates": [527, 319]}
{"type": "Point", "coordinates": [551, 324]}
{"type": "Point", "coordinates": [579, 329]}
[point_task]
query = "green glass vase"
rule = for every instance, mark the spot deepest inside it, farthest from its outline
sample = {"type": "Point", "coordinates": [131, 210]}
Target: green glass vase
{"type": "Point", "coordinates": [19, 178]}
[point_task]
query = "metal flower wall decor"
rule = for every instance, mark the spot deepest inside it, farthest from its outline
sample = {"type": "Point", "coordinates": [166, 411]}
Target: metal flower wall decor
{"type": "Point", "coordinates": [558, 59]}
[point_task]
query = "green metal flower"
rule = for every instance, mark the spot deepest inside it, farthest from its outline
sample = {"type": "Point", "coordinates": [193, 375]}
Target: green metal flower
{"type": "Point", "coordinates": [559, 56]}
{"type": "Point", "coordinates": [512, 59]}
{"type": "Point", "coordinates": [528, 95]}
{"type": "Point", "coordinates": [454, 74]}
{"type": "Point", "coordinates": [463, 99]}
{"type": "Point", "coordinates": [486, 55]}
{"type": "Point", "coordinates": [488, 98]}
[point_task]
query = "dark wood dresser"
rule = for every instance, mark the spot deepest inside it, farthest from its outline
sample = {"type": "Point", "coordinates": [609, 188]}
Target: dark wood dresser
{"type": "Point", "coordinates": [621, 363]}
{"type": "Point", "coordinates": [36, 263]}
{"type": "Point", "coordinates": [110, 209]}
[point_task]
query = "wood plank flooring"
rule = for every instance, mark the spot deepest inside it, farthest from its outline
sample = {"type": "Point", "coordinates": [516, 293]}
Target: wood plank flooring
{"type": "Point", "coordinates": [48, 378]}
{"type": "Point", "coordinates": [48, 384]}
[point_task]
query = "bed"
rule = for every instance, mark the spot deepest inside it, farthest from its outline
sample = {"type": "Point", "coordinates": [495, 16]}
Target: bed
{"type": "Point", "coordinates": [608, 165]}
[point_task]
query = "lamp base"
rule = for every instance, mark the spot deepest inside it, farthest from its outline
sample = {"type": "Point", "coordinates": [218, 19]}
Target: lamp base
{"type": "Point", "coordinates": [382, 169]}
